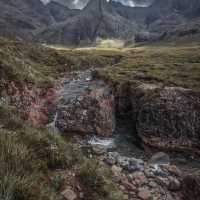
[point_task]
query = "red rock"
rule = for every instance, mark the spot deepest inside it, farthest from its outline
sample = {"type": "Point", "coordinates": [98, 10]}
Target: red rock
{"type": "Point", "coordinates": [144, 194]}
{"type": "Point", "coordinates": [31, 101]}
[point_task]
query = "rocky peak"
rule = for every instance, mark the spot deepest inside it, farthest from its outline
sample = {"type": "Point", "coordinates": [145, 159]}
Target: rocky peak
{"type": "Point", "coordinates": [61, 12]}
{"type": "Point", "coordinates": [99, 6]}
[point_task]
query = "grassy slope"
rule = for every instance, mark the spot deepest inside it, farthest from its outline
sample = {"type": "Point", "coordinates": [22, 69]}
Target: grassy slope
{"type": "Point", "coordinates": [28, 62]}
{"type": "Point", "coordinates": [27, 153]}
{"type": "Point", "coordinates": [176, 65]}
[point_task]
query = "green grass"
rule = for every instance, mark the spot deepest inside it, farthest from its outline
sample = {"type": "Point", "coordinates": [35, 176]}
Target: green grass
{"type": "Point", "coordinates": [160, 64]}
{"type": "Point", "coordinates": [40, 65]}
{"type": "Point", "coordinates": [98, 177]}
{"type": "Point", "coordinates": [27, 153]}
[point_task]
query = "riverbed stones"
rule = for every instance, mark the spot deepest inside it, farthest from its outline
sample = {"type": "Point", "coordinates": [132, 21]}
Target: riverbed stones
{"type": "Point", "coordinates": [128, 163]}
{"type": "Point", "coordinates": [87, 107]}
{"type": "Point", "coordinates": [169, 118]}
{"type": "Point", "coordinates": [111, 158]}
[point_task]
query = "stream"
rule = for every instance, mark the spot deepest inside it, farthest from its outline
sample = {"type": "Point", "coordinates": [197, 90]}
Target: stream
{"type": "Point", "coordinates": [123, 140]}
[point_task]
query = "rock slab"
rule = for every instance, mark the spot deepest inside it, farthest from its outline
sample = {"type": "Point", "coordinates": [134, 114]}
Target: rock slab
{"type": "Point", "coordinates": [169, 118]}
{"type": "Point", "coordinates": [87, 107]}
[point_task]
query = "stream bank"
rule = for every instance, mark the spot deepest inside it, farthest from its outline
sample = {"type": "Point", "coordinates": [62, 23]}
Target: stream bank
{"type": "Point", "coordinates": [101, 123]}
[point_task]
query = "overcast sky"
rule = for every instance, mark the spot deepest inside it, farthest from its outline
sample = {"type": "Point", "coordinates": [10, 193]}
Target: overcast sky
{"type": "Point", "coordinates": [82, 3]}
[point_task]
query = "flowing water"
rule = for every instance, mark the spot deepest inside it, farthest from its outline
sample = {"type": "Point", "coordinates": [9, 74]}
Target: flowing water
{"type": "Point", "coordinates": [123, 140]}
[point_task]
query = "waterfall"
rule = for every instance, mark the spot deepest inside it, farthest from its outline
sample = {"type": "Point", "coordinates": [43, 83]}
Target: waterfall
{"type": "Point", "coordinates": [53, 123]}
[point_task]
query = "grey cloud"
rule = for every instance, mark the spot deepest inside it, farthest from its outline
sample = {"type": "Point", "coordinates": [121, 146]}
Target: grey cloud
{"type": "Point", "coordinates": [81, 3]}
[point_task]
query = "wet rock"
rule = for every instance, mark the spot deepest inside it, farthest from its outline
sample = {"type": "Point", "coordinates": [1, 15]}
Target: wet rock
{"type": "Point", "coordinates": [174, 170]}
{"type": "Point", "coordinates": [191, 186]}
{"type": "Point", "coordinates": [130, 164]}
{"type": "Point", "coordinates": [111, 158]}
{"type": "Point", "coordinates": [159, 159]}
{"type": "Point", "coordinates": [87, 107]}
{"type": "Point", "coordinates": [123, 161]}
{"type": "Point", "coordinates": [169, 118]}
{"type": "Point", "coordinates": [158, 173]}
{"type": "Point", "coordinates": [69, 194]}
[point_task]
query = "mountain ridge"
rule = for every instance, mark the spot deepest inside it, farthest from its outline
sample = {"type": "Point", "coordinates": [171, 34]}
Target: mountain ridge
{"type": "Point", "coordinates": [55, 23]}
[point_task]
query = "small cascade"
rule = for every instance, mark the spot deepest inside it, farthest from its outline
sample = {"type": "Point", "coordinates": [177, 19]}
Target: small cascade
{"type": "Point", "coordinates": [53, 123]}
{"type": "Point", "coordinates": [107, 142]}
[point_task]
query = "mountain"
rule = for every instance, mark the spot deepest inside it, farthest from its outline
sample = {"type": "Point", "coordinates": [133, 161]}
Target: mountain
{"type": "Point", "coordinates": [61, 12]}
{"type": "Point", "coordinates": [163, 19]}
{"type": "Point", "coordinates": [56, 23]}
{"type": "Point", "coordinates": [22, 17]}
{"type": "Point", "coordinates": [97, 19]}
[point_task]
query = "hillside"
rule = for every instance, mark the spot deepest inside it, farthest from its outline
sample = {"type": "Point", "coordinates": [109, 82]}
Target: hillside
{"type": "Point", "coordinates": [21, 18]}
{"type": "Point", "coordinates": [56, 23]}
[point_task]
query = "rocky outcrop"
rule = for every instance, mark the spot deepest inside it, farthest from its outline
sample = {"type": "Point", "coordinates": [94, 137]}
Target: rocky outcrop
{"type": "Point", "coordinates": [169, 118]}
{"type": "Point", "coordinates": [191, 186]}
{"type": "Point", "coordinates": [164, 117]}
{"type": "Point", "coordinates": [87, 107]}
{"type": "Point", "coordinates": [31, 101]}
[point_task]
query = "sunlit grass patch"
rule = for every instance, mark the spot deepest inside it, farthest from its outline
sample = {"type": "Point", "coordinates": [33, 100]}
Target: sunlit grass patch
{"type": "Point", "coordinates": [110, 43]}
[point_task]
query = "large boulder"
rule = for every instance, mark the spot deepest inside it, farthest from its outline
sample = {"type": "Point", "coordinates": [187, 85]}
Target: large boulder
{"type": "Point", "coordinates": [169, 118]}
{"type": "Point", "coordinates": [89, 109]}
